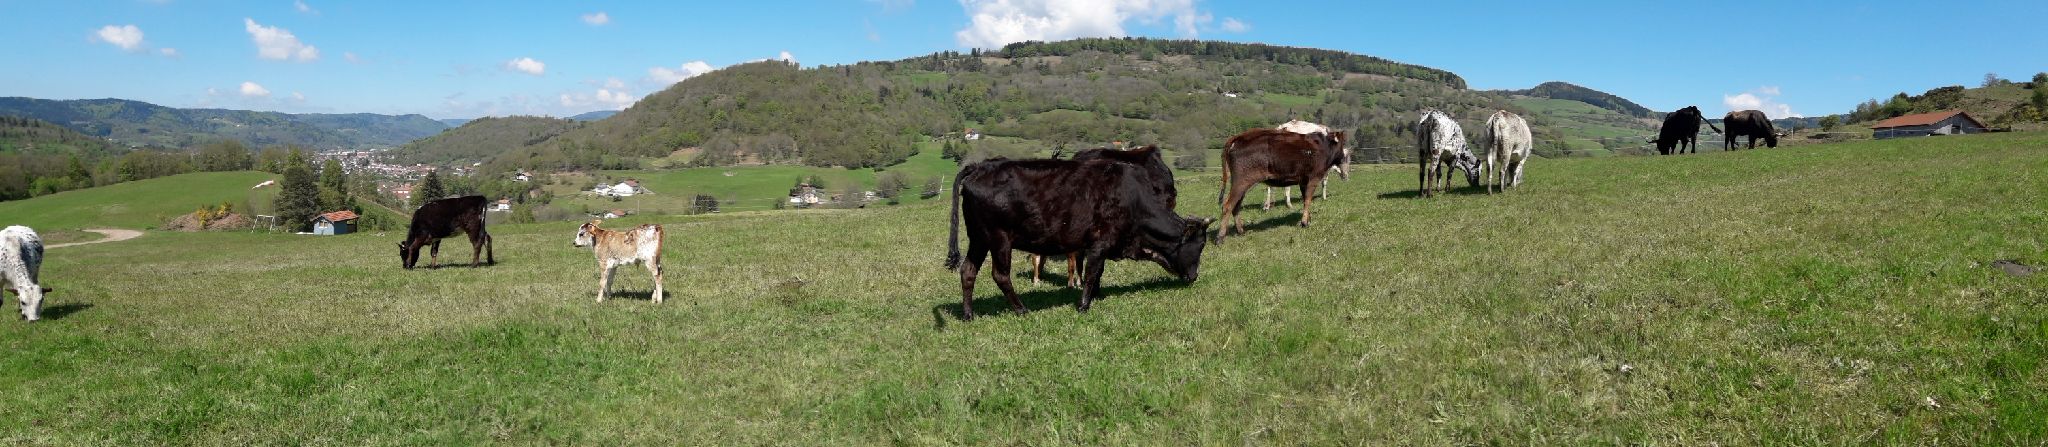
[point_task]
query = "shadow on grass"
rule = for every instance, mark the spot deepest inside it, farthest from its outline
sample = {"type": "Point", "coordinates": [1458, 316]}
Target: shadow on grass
{"type": "Point", "coordinates": [462, 265]}
{"type": "Point", "coordinates": [642, 295]}
{"type": "Point", "coordinates": [1459, 190]}
{"type": "Point", "coordinates": [1292, 219]}
{"type": "Point", "coordinates": [989, 298]}
{"type": "Point", "coordinates": [58, 312]}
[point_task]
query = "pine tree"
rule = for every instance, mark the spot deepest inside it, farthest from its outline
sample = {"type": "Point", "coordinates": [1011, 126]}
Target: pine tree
{"type": "Point", "coordinates": [430, 188]}
{"type": "Point", "coordinates": [300, 199]}
{"type": "Point", "coordinates": [332, 177]}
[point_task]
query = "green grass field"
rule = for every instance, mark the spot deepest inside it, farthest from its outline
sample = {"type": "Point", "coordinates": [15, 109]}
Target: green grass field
{"type": "Point", "coordinates": [756, 187]}
{"type": "Point", "coordinates": [1818, 295]}
{"type": "Point", "coordinates": [138, 204]}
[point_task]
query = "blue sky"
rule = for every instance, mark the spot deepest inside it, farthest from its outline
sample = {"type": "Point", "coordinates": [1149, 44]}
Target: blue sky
{"type": "Point", "coordinates": [462, 59]}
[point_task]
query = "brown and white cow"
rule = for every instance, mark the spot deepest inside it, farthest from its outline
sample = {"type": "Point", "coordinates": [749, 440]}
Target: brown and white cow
{"type": "Point", "coordinates": [640, 245]}
{"type": "Point", "coordinates": [1277, 158]}
{"type": "Point", "coordinates": [1302, 127]}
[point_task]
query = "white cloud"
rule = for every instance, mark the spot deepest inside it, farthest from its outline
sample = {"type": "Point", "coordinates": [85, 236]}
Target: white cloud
{"type": "Point", "coordinates": [277, 43]}
{"type": "Point", "coordinates": [614, 83]}
{"type": "Point", "coordinates": [609, 99]}
{"type": "Point", "coordinates": [351, 57]}
{"type": "Point", "coordinates": [666, 76]}
{"type": "Point", "coordinates": [1232, 25]}
{"type": "Point", "coordinates": [1763, 99]}
{"type": "Point", "coordinates": [250, 89]}
{"type": "Point", "coordinates": [298, 97]}
{"type": "Point", "coordinates": [168, 51]}
{"type": "Point", "coordinates": [994, 23]}
{"type": "Point", "coordinates": [597, 18]}
{"type": "Point", "coordinates": [786, 57]}
{"type": "Point", "coordinates": [128, 37]}
{"type": "Point", "coordinates": [527, 65]}
{"type": "Point", "coordinates": [303, 7]}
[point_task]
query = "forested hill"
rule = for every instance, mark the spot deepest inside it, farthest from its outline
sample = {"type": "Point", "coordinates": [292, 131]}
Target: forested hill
{"type": "Point", "coordinates": [1573, 92]}
{"type": "Point", "coordinates": [483, 138]}
{"type": "Point", "coordinates": [1185, 95]}
{"type": "Point", "coordinates": [136, 123]}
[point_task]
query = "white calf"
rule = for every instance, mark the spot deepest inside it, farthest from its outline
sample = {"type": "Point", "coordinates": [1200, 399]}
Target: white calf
{"type": "Point", "coordinates": [1507, 142]}
{"type": "Point", "coordinates": [21, 259]}
{"type": "Point", "coordinates": [1303, 127]}
{"type": "Point", "coordinates": [1442, 145]}
{"type": "Point", "coordinates": [641, 244]}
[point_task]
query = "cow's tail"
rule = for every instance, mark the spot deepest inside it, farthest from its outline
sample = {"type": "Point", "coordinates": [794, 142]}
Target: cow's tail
{"type": "Point", "coordinates": [1224, 164]}
{"type": "Point", "coordinates": [1710, 125]}
{"type": "Point", "coordinates": [953, 240]}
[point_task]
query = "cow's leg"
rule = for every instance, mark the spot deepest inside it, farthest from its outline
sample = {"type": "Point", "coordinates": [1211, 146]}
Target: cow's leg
{"type": "Point", "coordinates": [1490, 173]}
{"type": "Point", "coordinates": [1074, 270]}
{"type": "Point", "coordinates": [435, 254]}
{"type": "Point", "coordinates": [654, 268]}
{"type": "Point", "coordinates": [476, 248]}
{"type": "Point", "coordinates": [969, 268]}
{"type": "Point", "coordinates": [1287, 196]}
{"type": "Point", "coordinates": [1238, 189]}
{"type": "Point", "coordinates": [1000, 267]}
{"type": "Point", "coordinates": [1269, 199]}
{"type": "Point", "coordinates": [1326, 188]}
{"type": "Point", "coordinates": [1423, 177]}
{"type": "Point", "coordinates": [1091, 286]}
{"type": "Point", "coordinates": [1037, 267]}
{"type": "Point", "coordinates": [489, 258]}
{"type": "Point", "coordinates": [604, 279]}
{"type": "Point", "coordinates": [1308, 196]}
{"type": "Point", "coordinates": [1524, 161]}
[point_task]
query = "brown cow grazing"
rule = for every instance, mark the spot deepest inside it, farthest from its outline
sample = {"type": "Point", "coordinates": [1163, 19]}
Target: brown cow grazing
{"type": "Point", "coordinates": [640, 245]}
{"type": "Point", "coordinates": [1748, 123]}
{"type": "Point", "coordinates": [1101, 209]}
{"type": "Point", "coordinates": [1277, 158]}
{"type": "Point", "coordinates": [442, 218]}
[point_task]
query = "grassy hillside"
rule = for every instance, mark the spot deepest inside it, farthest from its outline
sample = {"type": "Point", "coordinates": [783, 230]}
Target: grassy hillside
{"type": "Point", "coordinates": [482, 138]}
{"type": "Point", "coordinates": [1596, 98]}
{"type": "Point", "coordinates": [138, 204]}
{"type": "Point", "coordinates": [753, 187]}
{"type": "Point", "coordinates": [1582, 128]}
{"type": "Point", "coordinates": [136, 123]}
{"type": "Point", "coordinates": [1820, 295]}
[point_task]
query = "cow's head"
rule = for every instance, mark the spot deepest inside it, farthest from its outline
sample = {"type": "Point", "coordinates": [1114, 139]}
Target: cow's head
{"type": "Point", "coordinates": [31, 301]}
{"type": "Point", "coordinates": [584, 234]}
{"type": "Point", "coordinates": [1470, 164]}
{"type": "Point", "coordinates": [1344, 160]}
{"type": "Point", "coordinates": [405, 253]}
{"type": "Point", "coordinates": [1771, 140]}
{"type": "Point", "coordinates": [1183, 256]}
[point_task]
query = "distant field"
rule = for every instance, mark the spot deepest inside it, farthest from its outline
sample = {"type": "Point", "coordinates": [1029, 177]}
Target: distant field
{"type": "Point", "coordinates": [755, 187]}
{"type": "Point", "coordinates": [1817, 295]}
{"type": "Point", "coordinates": [1583, 123]}
{"type": "Point", "coordinates": [138, 204]}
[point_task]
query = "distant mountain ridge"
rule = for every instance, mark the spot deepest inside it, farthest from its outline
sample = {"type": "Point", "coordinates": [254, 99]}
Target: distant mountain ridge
{"type": "Point", "coordinates": [137, 123]}
{"type": "Point", "coordinates": [1574, 92]}
{"type": "Point", "coordinates": [594, 115]}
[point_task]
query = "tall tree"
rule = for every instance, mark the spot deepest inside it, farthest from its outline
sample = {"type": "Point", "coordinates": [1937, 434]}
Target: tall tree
{"type": "Point", "coordinates": [430, 188]}
{"type": "Point", "coordinates": [332, 177]}
{"type": "Point", "coordinates": [300, 199]}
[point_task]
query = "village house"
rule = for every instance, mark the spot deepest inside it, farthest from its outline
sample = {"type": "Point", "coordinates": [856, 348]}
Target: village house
{"type": "Point", "coordinates": [613, 214]}
{"type": "Point", "coordinates": [805, 196]}
{"type": "Point", "coordinates": [503, 204]}
{"type": "Point", "coordinates": [626, 188]}
{"type": "Point", "coordinates": [970, 135]}
{"type": "Point", "coordinates": [338, 222]}
{"type": "Point", "coordinates": [1946, 122]}
{"type": "Point", "coordinates": [522, 176]}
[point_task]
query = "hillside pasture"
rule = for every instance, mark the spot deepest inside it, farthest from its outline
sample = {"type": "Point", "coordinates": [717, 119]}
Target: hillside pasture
{"type": "Point", "coordinates": [1818, 295]}
{"type": "Point", "coordinates": [139, 204]}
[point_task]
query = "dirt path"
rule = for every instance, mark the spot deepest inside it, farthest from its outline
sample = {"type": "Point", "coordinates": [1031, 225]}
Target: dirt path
{"type": "Point", "coordinates": [113, 235]}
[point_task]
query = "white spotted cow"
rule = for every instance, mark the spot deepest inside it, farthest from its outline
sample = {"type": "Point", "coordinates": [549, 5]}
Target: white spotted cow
{"type": "Point", "coordinates": [1305, 128]}
{"type": "Point", "coordinates": [1507, 142]}
{"type": "Point", "coordinates": [21, 260]}
{"type": "Point", "coordinates": [640, 245]}
{"type": "Point", "coordinates": [1442, 146]}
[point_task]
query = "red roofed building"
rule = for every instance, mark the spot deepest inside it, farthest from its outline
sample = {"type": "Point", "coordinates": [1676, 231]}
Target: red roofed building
{"type": "Point", "coordinates": [1946, 122]}
{"type": "Point", "coordinates": [334, 223]}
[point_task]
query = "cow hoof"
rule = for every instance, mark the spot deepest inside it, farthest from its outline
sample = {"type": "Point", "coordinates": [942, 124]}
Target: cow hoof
{"type": "Point", "coordinates": [1304, 224]}
{"type": "Point", "coordinates": [1021, 311]}
{"type": "Point", "coordinates": [967, 316]}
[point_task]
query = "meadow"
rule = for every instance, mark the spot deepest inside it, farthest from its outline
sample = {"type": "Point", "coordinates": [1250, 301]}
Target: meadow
{"type": "Point", "coordinates": [1821, 294]}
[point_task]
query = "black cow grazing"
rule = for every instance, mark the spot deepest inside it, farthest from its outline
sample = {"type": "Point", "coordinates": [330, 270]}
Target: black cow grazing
{"type": "Point", "coordinates": [1277, 158]}
{"type": "Point", "coordinates": [1752, 124]}
{"type": "Point", "coordinates": [441, 218]}
{"type": "Point", "coordinates": [1147, 157]}
{"type": "Point", "coordinates": [1101, 209]}
{"type": "Point", "coordinates": [1681, 131]}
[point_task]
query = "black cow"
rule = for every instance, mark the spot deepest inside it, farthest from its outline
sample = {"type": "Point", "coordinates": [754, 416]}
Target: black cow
{"type": "Point", "coordinates": [441, 218]}
{"type": "Point", "coordinates": [1681, 131]}
{"type": "Point", "coordinates": [1752, 124]}
{"type": "Point", "coordinates": [1101, 209]}
{"type": "Point", "coordinates": [1147, 157]}
{"type": "Point", "coordinates": [1277, 158]}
